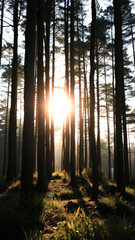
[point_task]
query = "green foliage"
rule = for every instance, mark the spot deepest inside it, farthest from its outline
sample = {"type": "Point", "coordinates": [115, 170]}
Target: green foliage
{"type": "Point", "coordinates": [66, 194]}
{"type": "Point", "coordinates": [45, 217]}
{"type": "Point", "coordinates": [87, 173]}
{"type": "Point", "coordinates": [114, 205]}
{"type": "Point", "coordinates": [83, 227]}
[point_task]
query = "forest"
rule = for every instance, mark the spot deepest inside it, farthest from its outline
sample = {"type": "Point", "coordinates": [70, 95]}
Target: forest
{"type": "Point", "coordinates": [67, 119]}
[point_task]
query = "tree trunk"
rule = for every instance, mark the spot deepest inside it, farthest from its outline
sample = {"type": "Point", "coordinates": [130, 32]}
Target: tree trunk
{"type": "Point", "coordinates": [11, 169]}
{"type": "Point", "coordinates": [53, 77]}
{"type": "Point", "coordinates": [125, 137]}
{"type": "Point", "coordinates": [40, 98]}
{"type": "Point", "coordinates": [67, 83]}
{"type": "Point", "coordinates": [114, 103]}
{"type": "Point", "coordinates": [92, 107]}
{"type": "Point", "coordinates": [81, 163]}
{"type": "Point", "coordinates": [19, 139]}
{"type": "Point", "coordinates": [47, 53]}
{"type": "Point", "coordinates": [98, 111]}
{"type": "Point", "coordinates": [85, 111]}
{"type": "Point", "coordinates": [1, 29]}
{"type": "Point", "coordinates": [29, 92]}
{"type": "Point", "coordinates": [133, 44]}
{"type": "Point", "coordinates": [119, 96]}
{"type": "Point", "coordinates": [6, 129]}
{"type": "Point", "coordinates": [108, 125]}
{"type": "Point", "coordinates": [72, 96]}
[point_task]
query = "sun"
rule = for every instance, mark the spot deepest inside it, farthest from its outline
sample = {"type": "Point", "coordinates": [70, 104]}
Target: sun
{"type": "Point", "coordinates": [59, 106]}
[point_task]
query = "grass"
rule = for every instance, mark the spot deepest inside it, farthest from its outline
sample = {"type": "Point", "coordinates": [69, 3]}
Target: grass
{"type": "Point", "coordinates": [83, 227]}
{"type": "Point", "coordinates": [46, 216]}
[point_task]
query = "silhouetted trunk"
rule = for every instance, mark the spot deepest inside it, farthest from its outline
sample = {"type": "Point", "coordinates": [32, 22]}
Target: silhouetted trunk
{"type": "Point", "coordinates": [125, 136]}
{"type": "Point", "coordinates": [53, 77]}
{"type": "Point", "coordinates": [130, 156]}
{"type": "Point", "coordinates": [6, 129]}
{"type": "Point", "coordinates": [11, 169]}
{"type": "Point", "coordinates": [19, 140]}
{"type": "Point", "coordinates": [85, 111]}
{"type": "Point", "coordinates": [67, 83]}
{"type": "Point", "coordinates": [92, 106]}
{"type": "Point", "coordinates": [98, 111]}
{"type": "Point", "coordinates": [80, 112]}
{"type": "Point", "coordinates": [72, 95]}
{"type": "Point", "coordinates": [35, 141]}
{"type": "Point", "coordinates": [119, 96]}
{"type": "Point", "coordinates": [108, 125]}
{"type": "Point", "coordinates": [1, 29]}
{"type": "Point", "coordinates": [29, 92]}
{"type": "Point", "coordinates": [133, 44]}
{"type": "Point", "coordinates": [47, 53]}
{"type": "Point", "coordinates": [63, 152]}
{"type": "Point", "coordinates": [40, 98]}
{"type": "Point", "coordinates": [114, 102]}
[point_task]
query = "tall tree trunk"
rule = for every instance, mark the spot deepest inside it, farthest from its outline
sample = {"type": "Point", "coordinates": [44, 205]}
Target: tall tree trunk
{"type": "Point", "coordinates": [114, 101]}
{"type": "Point", "coordinates": [67, 82]}
{"type": "Point", "coordinates": [47, 52]}
{"type": "Point", "coordinates": [119, 96]}
{"type": "Point", "coordinates": [92, 106]}
{"type": "Point", "coordinates": [133, 44]}
{"type": "Point", "coordinates": [1, 29]}
{"type": "Point", "coordinates": [40, 98]}
{"type": "Point", "coordinates": [63, 149]}
{"type": "Point", "coordinates": [108, 125]}
{"type": "Point", "coordinates": [53, 77]}
{"type": "Point", "coordinates": [6, 128]}
{"type": "Point", "coordinates": [81, 163]}
{"type": "Point", "coordinates": [29, 92]}
{"type": "Point", "coordinates": [81, 123]}
{"type": "Point", "coordinates": [125, 136]}
{"type": "Point", "coordinates": [85, 111]}
{"type": "Point", "coordinates": [98, 110]}
{"type": "Point", "coordinates": [19, 138]}
{"type": "Point", "coordinates": [72, 96]}
{"type": "Point", "coordinates": [11, 169]}
{"type": "Point", "coordinates": [130, 155]}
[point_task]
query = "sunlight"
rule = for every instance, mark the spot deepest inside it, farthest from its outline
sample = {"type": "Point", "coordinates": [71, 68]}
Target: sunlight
{"type": "Point", "coordinates": [59, 106]}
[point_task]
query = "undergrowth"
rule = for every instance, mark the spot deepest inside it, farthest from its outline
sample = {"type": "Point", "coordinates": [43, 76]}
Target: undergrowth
{"type": "Point", "coordinates": [46, 216]}
{"type": "Point", "coordinates": [83, 227]}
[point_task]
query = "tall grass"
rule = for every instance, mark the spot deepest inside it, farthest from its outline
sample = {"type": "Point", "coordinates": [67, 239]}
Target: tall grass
{"type": "Point", "coordinates": [83, 227]}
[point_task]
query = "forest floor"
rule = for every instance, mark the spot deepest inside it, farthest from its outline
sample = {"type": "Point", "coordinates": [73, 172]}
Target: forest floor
{"type": "Point", "coordinates": [67, 213]}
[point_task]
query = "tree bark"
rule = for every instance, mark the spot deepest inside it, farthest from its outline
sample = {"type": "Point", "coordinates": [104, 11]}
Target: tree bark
{"type": "Point", "coordinates": [108, 125]}
{"type": "Point", "coordinates": [92, 106]}
{"type": "Point", "coordinates": [29, 92]}
{"type": "Point", "coordinates": [67, 83]}
{"type": "Point", "coordinates": [12, 167]}
{"type": "Point", "coordinates": [119, 99]}
{"type": "Point", "coordinates": [72, 96]}
{"type": "Point", "coordinates": [6, 127]}
{"type": "Point", "coordinates": [40, 98]}
{"type": "Point", "coordinates": [47, 52]}
{"type": "Point", "coordinates": [98, 111]}
{"type": "Point", "coordinates": [1, 29]}
{"type": "Point", "coordinates": [53, 77]}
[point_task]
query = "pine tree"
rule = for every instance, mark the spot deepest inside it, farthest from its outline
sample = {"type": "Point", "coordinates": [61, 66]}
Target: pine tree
{"type": "Point", "coordinates": [40, 98]}
{"type": "Point", "coordinates": [72, 95]}
{"type": "Point", "coordinates": [119, 96]}
{"type": "Point", "coordinates": [11, 169]}
{"type": "Point", "coordinates": [92, 106]}
{"type": "Point", "coordinates": [28, 129]}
